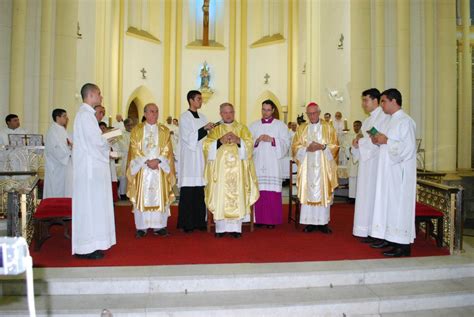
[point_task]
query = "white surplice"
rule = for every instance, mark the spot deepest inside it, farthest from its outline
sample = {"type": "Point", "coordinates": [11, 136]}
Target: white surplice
{"type": "Point", "coordinates": [58, 163]}
{"type": "Point", "coordinates": [191, 163]}
{"type": "Point", "coordinates": [267, 155]}
{"type": "Point", "coordinates": [314, 215]}
{"type": "Point", "coordinates": [368, 156]}
{"type": "Point", "coordinates": [352, 163]}
{"type": "Point", "coordinates": [93, 224]}
{"type": "Point", "coordinates": [151, 182]}
{"type": "Point", "coordinates": [395, 191]}
{"type": "Point", "coordinates": [6, 131]}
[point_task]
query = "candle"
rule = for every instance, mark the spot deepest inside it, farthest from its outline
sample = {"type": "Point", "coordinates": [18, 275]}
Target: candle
{"type": "Point", "coordinates": [110, 121]}
{"type": "Point", "coordinates": [345, 124]}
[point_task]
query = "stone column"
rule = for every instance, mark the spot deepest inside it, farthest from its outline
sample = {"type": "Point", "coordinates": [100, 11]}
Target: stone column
{"type": "Point", "coordinates": [46, 55]}
{"type": "Point", "coordinates": [378, 49]}
{"type": "Point", "coordinates": [465, 85]}
{"type": "Point", "coordinates": [17, 62]}
{"type": "Point", "coordinates": [429, 89]}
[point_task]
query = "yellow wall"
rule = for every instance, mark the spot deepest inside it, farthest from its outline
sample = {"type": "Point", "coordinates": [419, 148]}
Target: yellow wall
{"type": "Point", "coordinates": [385, 44]}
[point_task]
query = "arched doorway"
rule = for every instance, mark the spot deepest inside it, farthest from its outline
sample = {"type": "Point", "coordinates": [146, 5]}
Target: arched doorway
{"type": "Point", "coordinates": [133, 111]}
{"type": "Point", "coordinates": [137, 100]}
{"type": "Point", "coordinates": [256, 112]}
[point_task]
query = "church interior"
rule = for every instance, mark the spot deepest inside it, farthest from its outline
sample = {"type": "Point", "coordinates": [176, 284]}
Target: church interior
{"type": "Point", "coordinates": [292, 52]}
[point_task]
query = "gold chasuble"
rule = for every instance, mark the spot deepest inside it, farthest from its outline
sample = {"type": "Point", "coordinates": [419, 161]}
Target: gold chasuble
{"type": "Point", "coordinates": [317, 173]}
{"type": "Point", "coordinates": [231, 182]}
{"type": "Point", "coordinates": [136, 190]}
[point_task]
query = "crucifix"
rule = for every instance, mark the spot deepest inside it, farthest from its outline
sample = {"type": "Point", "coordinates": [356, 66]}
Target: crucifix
{"type": "Point", "coordinates": [267, 77]}
{"type": "Point", "coordinates": [143, 71]}
{"type": "Point", "coordinates": [205, 23]}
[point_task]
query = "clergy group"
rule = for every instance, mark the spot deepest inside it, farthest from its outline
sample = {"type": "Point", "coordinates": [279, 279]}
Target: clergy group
{"type": "Point", "coordinates": [231, 172]}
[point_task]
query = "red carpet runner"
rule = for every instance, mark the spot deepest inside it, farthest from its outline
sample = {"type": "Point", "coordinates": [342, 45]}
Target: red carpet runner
{"type": "Point", "coordinates": [283, 244]}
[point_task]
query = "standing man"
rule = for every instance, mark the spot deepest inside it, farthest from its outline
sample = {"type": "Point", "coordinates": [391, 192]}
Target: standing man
{"type": "Point", "coordinates": [231, 187]}
{"type": "Point", "coordinates": [192, 133]}
{"type": "Point", "coordinates": [367, 154]}
{"type": "Point", "coordinates": [100, 113]}
{"type": "Point", "coordinates": [151, 174]}
{"type": "Point", "coordinates": [271, 144]}
{"type": "Point", "coordinates": [315, 150]}
{"type": "Point", "coordinates": [352, 161]}
{"type": "Point", "coordinates": [395, 191]}
{"type": "Point", "coordinates": [57, 154]}
{"type": "Point", "coordinates": [124, 143]}
{"type": "Point", "coordinates": [93, 225]}
{"type": "Point", "coordinates": [13, 127]}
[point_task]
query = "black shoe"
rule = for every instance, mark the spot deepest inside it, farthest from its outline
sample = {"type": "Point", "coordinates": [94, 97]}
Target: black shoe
{"type": "Point", "coordinates": [96, 255]}
{"type": "Point", "coordinates": [380, 245]}
{"type": "Point", "coordinates": [258, 225]}
{"type": "Point", "coordinates": [325, 229]}
{"type": "Point", "coordinates": [309, 228]}
{"type": "Point", "coordinates": [271, 226]}
{"type": "Point", "coordinates": [188, 230]}
{"type": "Point", "coordinates": [140, 234]}
{"type": "Point", "coordinates": [123, 197]}
{"type": "Point", "coordinates": [219, 234]}
{"type": "Point", "coordinates": [369, 240]}
{"type": "Point", "coordinates": [398, 251]}
{"type": "Point", "coordinates": [161, 232]}
{"type": "Point", "coordinates": [236, 235]}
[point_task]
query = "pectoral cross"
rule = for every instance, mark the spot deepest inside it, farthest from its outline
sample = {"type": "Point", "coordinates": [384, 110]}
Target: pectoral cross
{"type": "Point", "coordinates": [150, 141]}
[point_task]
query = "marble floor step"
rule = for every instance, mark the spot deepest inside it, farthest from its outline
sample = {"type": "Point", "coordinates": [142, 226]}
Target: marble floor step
{"type": "Point", "coordinates": [351, 300]}
{"type": "Point", "coordinates": [224, 277]}
{"type": "Point", "coordinates": [467, 311]}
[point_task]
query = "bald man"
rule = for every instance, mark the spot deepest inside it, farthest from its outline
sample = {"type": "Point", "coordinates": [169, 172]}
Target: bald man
{"type": "Point", "coordinates": [315, 149]}
{"type": "Point", "coordinates": [151, 174]}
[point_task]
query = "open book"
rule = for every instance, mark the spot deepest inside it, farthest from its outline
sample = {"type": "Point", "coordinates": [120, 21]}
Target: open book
{"type": "Point", "coordinates": [112, 134]}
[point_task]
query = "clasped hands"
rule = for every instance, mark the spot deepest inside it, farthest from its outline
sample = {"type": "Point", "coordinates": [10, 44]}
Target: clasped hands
{"type": "Point", "coordinates": [379, 138]}
{"type": "Point", "coordinates": [153, 164]}
{"type": "Point", "coordinates": [229, 138]}
{"type": "Point", "coordinates": [264, 138]}
{"type": "Point", "coordinates": [314, 146]}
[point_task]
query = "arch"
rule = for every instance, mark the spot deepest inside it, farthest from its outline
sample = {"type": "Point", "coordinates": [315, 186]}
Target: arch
{"type": "Point", "coordinates": [138, 99]}
{"type": "Point", "coordinates": [256, 113]}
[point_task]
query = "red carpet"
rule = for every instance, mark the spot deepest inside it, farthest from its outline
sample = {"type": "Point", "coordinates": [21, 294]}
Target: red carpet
{"type": "Point", "coordinates": [283, 244]}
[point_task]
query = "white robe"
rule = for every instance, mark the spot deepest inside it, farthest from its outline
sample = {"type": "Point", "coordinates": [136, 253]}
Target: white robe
{"type": "Point", "coordinates": [6, 131]}
{"type": "Point", "coordinates": [228, 225]}
{"type": "Point", "coordinates": [368, 156]}
{"type": "Point", "coordinates": [93, 224]}
{"type": "Point", "coordinates": [285, 161]}
{"type": "Point", "coordinates": [314, 215]}
{"type": "Point", "coordinates": [124, 144]}
{"type": "Point", "coordinates": [58, 163]}
{"type": "Point", "coordinates": [267, 155]}
{"type": "Point", "coordinates": [151, 182]}
{"type": "Point", "coordinates": [352, 163]}
{"type": "Point", "coordinates": [191, 164]}
{"type": "Point", "coordinates": [395, 192]}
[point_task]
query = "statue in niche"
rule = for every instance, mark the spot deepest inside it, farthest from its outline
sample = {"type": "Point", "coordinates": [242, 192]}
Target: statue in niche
{"type": "Point", "coordinates": [205, 23]}
{"type": "Point", "coordinates": [205, 89]}
{"type": "Point", "coordinates": [205, 76]}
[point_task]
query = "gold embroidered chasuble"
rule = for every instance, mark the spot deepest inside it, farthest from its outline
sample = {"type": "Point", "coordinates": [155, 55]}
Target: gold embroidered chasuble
{"type": "Point", "coordinates": [232, 186]}
{"type": "Point", "coordinates": [317, 174]}
{"type": "Point", "coordinates": [135, 185]}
